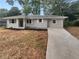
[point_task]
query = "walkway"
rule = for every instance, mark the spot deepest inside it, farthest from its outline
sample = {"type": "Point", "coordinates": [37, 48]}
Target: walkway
{"type": "Point", "coordinates": [62, 45]}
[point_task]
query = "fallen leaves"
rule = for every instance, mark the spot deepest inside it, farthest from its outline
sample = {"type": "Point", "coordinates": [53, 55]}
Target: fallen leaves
{"type": "Point", "coordinates": [23, 44]}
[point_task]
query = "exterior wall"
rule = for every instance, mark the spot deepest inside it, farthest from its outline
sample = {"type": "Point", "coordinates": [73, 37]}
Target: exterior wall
{"type": "Point", "coordinates": [37, 25]}
{"type": "Point", "coordinates": [11, 25]}
{"type": "Point", "coordinates": [58, 24]}
{"type": "Point", "coordinates": [15, 25]}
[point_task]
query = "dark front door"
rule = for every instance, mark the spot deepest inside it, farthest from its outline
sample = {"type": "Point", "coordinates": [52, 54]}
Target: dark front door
{"type": "Point", "coordinates": [21, 23]}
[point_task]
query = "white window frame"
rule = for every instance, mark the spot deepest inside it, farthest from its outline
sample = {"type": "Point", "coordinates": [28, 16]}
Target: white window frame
{"type": "Point", "coordinates": [54, 21]}
{"type": "Point", "coordinates": [11, 21]}
{"type": "Point", "coordinates": [41, 20]}
{"type": "Point", "coordinates": [29, 21]}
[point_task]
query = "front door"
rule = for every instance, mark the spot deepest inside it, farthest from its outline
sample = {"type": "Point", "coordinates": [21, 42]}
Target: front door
{"type": "Point", "coordinates": [20, 22]}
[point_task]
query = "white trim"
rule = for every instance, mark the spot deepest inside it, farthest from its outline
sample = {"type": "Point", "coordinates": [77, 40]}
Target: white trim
{"type": "Point", "coordinates": [10, 21]}
{"type": "Point", "coordinates": [54, 21]}
{"type": "Point", "coordinates": [39, 19]}
{"type": "Point", "coordinates": [29, 23]}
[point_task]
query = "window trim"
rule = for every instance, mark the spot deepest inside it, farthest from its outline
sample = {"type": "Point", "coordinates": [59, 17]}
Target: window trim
{"type": "Point", "coordinates": [12, 21]}
{"type": "Point", "coordinates": [29, 21]}
{"type": "Point", "coordinates": [54, 21]}
{"type": "Point", "coordinates": [41, 20]}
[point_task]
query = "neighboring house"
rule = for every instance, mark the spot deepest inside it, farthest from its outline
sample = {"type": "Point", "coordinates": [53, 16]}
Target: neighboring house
{"type": "Point", "coordinates": [2, 22]}
{"type": "Point", "coordinates": [35, 22]}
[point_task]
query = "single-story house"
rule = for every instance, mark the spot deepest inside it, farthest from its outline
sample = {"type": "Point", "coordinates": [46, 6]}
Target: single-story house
{"type": "Point", "coordinates": [35, 21]}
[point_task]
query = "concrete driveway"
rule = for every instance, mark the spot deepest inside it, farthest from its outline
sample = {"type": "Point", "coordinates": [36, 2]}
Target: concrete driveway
{"type": "Point", "coordinates": [62, 45]}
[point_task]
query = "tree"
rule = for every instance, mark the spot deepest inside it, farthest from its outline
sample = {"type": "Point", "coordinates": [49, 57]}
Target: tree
{"type": "Point", "coordinates": [73, 11]}
{"type": "Point", "coordinates": [14, 11]}
{"type": "Point", "coordinates": [28, 5]}
{"type": "Point", "coordinates": [3, 13]}
{"type": "Point", "coordinates": [50, 7]}
{"type": "Point", "coordinates": [74, 8]}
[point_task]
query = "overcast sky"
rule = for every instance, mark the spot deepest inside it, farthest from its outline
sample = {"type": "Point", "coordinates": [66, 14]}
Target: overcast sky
{"type": "Point", "coordinates": [5, 5]}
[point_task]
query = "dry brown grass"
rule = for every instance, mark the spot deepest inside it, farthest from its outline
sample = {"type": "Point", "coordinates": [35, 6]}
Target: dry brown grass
{"type": "Point", "coordinates": [23, 44]}
{"type": "Point", "coordinates": [74, 31]}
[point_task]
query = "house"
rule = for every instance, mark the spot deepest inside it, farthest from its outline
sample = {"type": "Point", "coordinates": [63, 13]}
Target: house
{"type": "Point", "coordinates": [35, 21]}
{"type": "Point", "coordinates": [2, 22]}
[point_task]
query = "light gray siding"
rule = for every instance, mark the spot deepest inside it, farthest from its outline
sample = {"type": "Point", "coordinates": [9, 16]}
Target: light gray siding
{"type": "Point", "coordinates": [15, 25]}
{"type": "Point", "coordinates": [47, 22]}
{"type": "Point", "coordinates": [58, 24]}
{"type": "Point", "coordinates": [37, 25]}
{"type": "Point", "coordinates": [12, 25]}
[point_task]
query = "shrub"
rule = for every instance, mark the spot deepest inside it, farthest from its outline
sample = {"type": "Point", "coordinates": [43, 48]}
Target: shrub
{"type": "Point", "coordinates": [75, 23]}
{"type": "Point", "coordinates": [67, 23]}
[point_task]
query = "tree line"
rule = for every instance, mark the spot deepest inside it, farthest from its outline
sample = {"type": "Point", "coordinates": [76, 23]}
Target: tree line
{"type": "Point", "coordinates": [12, 12]}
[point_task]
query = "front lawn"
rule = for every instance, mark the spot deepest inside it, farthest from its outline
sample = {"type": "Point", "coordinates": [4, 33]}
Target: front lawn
{"type": "Point", "coordinates": [23, 44]}
{"type": "Point", "coordinates": [74, 31]}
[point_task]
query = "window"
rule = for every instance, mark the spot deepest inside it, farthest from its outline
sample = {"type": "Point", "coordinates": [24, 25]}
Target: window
{"type": "Point", "coordinates": [54, 21]}
{"type": "Point", "coordinates": [12, 21]}
{"type": "Point", "coordinates": [29, 21]}
{"type": "Point", "coordinates": [40, 20]}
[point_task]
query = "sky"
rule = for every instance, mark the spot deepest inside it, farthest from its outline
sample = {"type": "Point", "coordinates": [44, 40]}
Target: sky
{"type": "Point", "coordinates": [4, 4]}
